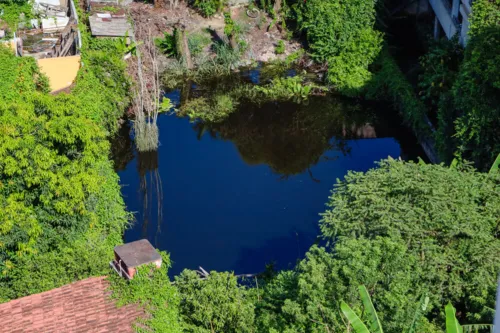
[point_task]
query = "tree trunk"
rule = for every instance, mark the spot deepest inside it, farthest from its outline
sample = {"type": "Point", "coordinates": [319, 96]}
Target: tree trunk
{"type": "Point", "coordinates": [277, 8]}
{"type": "Point", "coordinates": [183, 46]}
{"type": "Point", "coordinates": [233, 42]}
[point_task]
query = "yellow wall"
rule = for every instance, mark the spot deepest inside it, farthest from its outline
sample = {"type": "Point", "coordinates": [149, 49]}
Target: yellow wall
{"type": "Point", "coordinates": [60, 71]}
{"type": "Point", "coordinates": [10, 44]}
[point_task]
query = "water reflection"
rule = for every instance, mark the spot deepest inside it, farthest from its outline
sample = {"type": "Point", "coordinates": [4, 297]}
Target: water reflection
{"type": "Point", "coordinates": [290, 137]}
{"type": "Point", "coordinates": [151, 192]}
{"type": "Point", "coordinates": [212, 196]}
{"type": "Point", "coordinates": [122, 150]}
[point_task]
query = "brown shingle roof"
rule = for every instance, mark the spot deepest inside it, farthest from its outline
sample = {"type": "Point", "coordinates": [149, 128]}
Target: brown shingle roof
{"type": "Point", "coordinates": [83, 306]}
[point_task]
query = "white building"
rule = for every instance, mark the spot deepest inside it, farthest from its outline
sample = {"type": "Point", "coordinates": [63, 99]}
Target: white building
{"type": "Point", "coordinates": [453, 17]}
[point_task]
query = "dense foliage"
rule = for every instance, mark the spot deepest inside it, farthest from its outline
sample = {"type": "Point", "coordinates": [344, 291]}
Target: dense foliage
{"type": "Point", "coordinates": [214, 304]}
{"type": "Point", "coordinates": [390, 84]}
{"type": "Point", "coordinates": [464, 89]}
{"type": "Point", "coordinates": [151, 288]}
{"type": "Point", "coordinates": [341, 33]}
{"type": "Point", "coordinates": [61, 209]}
{"type": "Point", "coordinates": [208, 8]}
{"type": "Point", "coordinates": [13, 12]}
{"type": "Point", "coordinates": [476, 92]}
{"type": "Point", "coordinates": [412, 233]}
{"type": "Point", "coordinates": [404, 230]}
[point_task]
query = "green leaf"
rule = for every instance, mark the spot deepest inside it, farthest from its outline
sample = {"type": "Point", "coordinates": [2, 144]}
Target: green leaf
{"type": "Point", "coordinates": [422, 306]}
{"type": "Point", "coordinates": [477, 328]}
{"type": "Point", "coordinates": [496, 166]}
{"type": "Point", "coordinates": [375, 325]}
{"type": "Point", "coordinates": [353, 318]}
{"type": "Point", "coordinates": [452, 325]}
{"type": "Point", "coordinates": [454, 164]}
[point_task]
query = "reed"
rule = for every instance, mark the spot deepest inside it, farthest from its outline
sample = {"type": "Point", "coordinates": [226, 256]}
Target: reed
{"type": "Point", "coordinates": [146, 105]}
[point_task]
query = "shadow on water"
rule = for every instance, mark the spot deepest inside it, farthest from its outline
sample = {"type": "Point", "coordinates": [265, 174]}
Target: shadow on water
{"type": "Point", "coordinates": [247, 191]}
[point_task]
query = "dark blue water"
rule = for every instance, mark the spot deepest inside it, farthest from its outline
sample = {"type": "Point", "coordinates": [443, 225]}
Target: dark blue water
{"type": "Point", "coordinates": [249, 191]}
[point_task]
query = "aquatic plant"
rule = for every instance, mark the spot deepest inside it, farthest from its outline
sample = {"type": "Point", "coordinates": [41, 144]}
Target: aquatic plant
{"type": "Point", "coordinates": [146, 104]}
{"type": "Point", "coordinates": [286, 88]}
{"type": "Point", "coordinates": [211, 110]}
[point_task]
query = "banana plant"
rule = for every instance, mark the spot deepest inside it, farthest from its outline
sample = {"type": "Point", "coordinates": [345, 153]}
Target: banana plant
{"type": "Point", "coordinates": [356, 322]}
{"type": "Point", "coordinates": [453, 326]}
{"type": "Point", "coordinates": [496, 165]}
{"type": "Point", "coordinates": [374, 326]}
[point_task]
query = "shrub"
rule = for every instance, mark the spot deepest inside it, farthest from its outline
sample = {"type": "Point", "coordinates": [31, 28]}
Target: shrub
{"type": "Point", "coordinates": [476, 92]}
{"type": "Point", "coordinates": [285, 89]}
{"type": "Point", "coordinates": [441, 224]}
{"type": "Point", "coordinates": [61, 208]}
{"type": "Point", "coordinates": [342, 34]}
{"type": "Point", "coordinates": [405, 230]}
{"type": "Point", "coordinates": [151, 288]}
{"type": "Point", "coordinates": [280, 47]}
{"type": "Point", "coordinates": [208, 8]}
{"type": "Point", "coordinates": [214, 304]}
{"type": "Point", "coordinates": [197, 42]}
{"type": "Point", "coordinates": [168, 44]}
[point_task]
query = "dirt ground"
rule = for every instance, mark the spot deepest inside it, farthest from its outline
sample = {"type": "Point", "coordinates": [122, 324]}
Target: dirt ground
{"type": "Point", "coordinates": [261, 42]}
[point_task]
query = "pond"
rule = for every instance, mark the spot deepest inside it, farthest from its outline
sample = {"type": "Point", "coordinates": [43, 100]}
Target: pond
{"type": "Point", "coordinates": [248, 191]}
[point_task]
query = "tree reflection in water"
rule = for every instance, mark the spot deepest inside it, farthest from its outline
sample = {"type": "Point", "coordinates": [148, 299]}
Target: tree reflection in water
{"type": "Point", "coordinates": [151, 189]}
{"type": "Point", "coordinates": [290, 137]}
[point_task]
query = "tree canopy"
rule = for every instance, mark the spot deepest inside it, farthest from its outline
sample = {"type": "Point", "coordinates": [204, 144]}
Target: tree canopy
{"type": "Point", "coordinates": [404, 230]}
{"type": "Point", "coordinates": [342, 34]}
{"type": "Point", "coordinates": [59, 195]}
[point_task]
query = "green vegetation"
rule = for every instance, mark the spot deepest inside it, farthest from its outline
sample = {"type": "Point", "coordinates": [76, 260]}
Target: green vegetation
{"type": "Point", "coordinates": [418, 236]}
{"type": "Point", "coordinates": [15, 12]}
{"type": "Point", "coordinates": [224, 100]}
{"type": "Point", "coordinates": [458, 209]}
{"type": "Point", "coordinates": [214, 304]}
{"type": "Point", "coordinates": [168, 44]}
{"type": "Point", "coordinates": [428, 237]}
{"type": "Point", "coordinates": [286, 88]}
{"type": "Point", "coordinates": [208, 8]}
{"type": "Point", "coordinates": [476, 92]}
{"type": "Point", "coordinates": [214, 110]}
{"type": "Point", "coordinates": [280, 47]}
{"type": "Point", "coordinates": [389, 83]}
{"type": "Point", "coordinates": [151, 288]}
{"type": "Point", "coordinates": [462, 89]}
{"type": "Point", "coordinates": [197, 42]}
{"type": "Point", "coordinates": [452, 324]}
{"type": "Point", "coordinates": [61, 207]}
{"type": "Point", "coordinates": [342, 34]}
